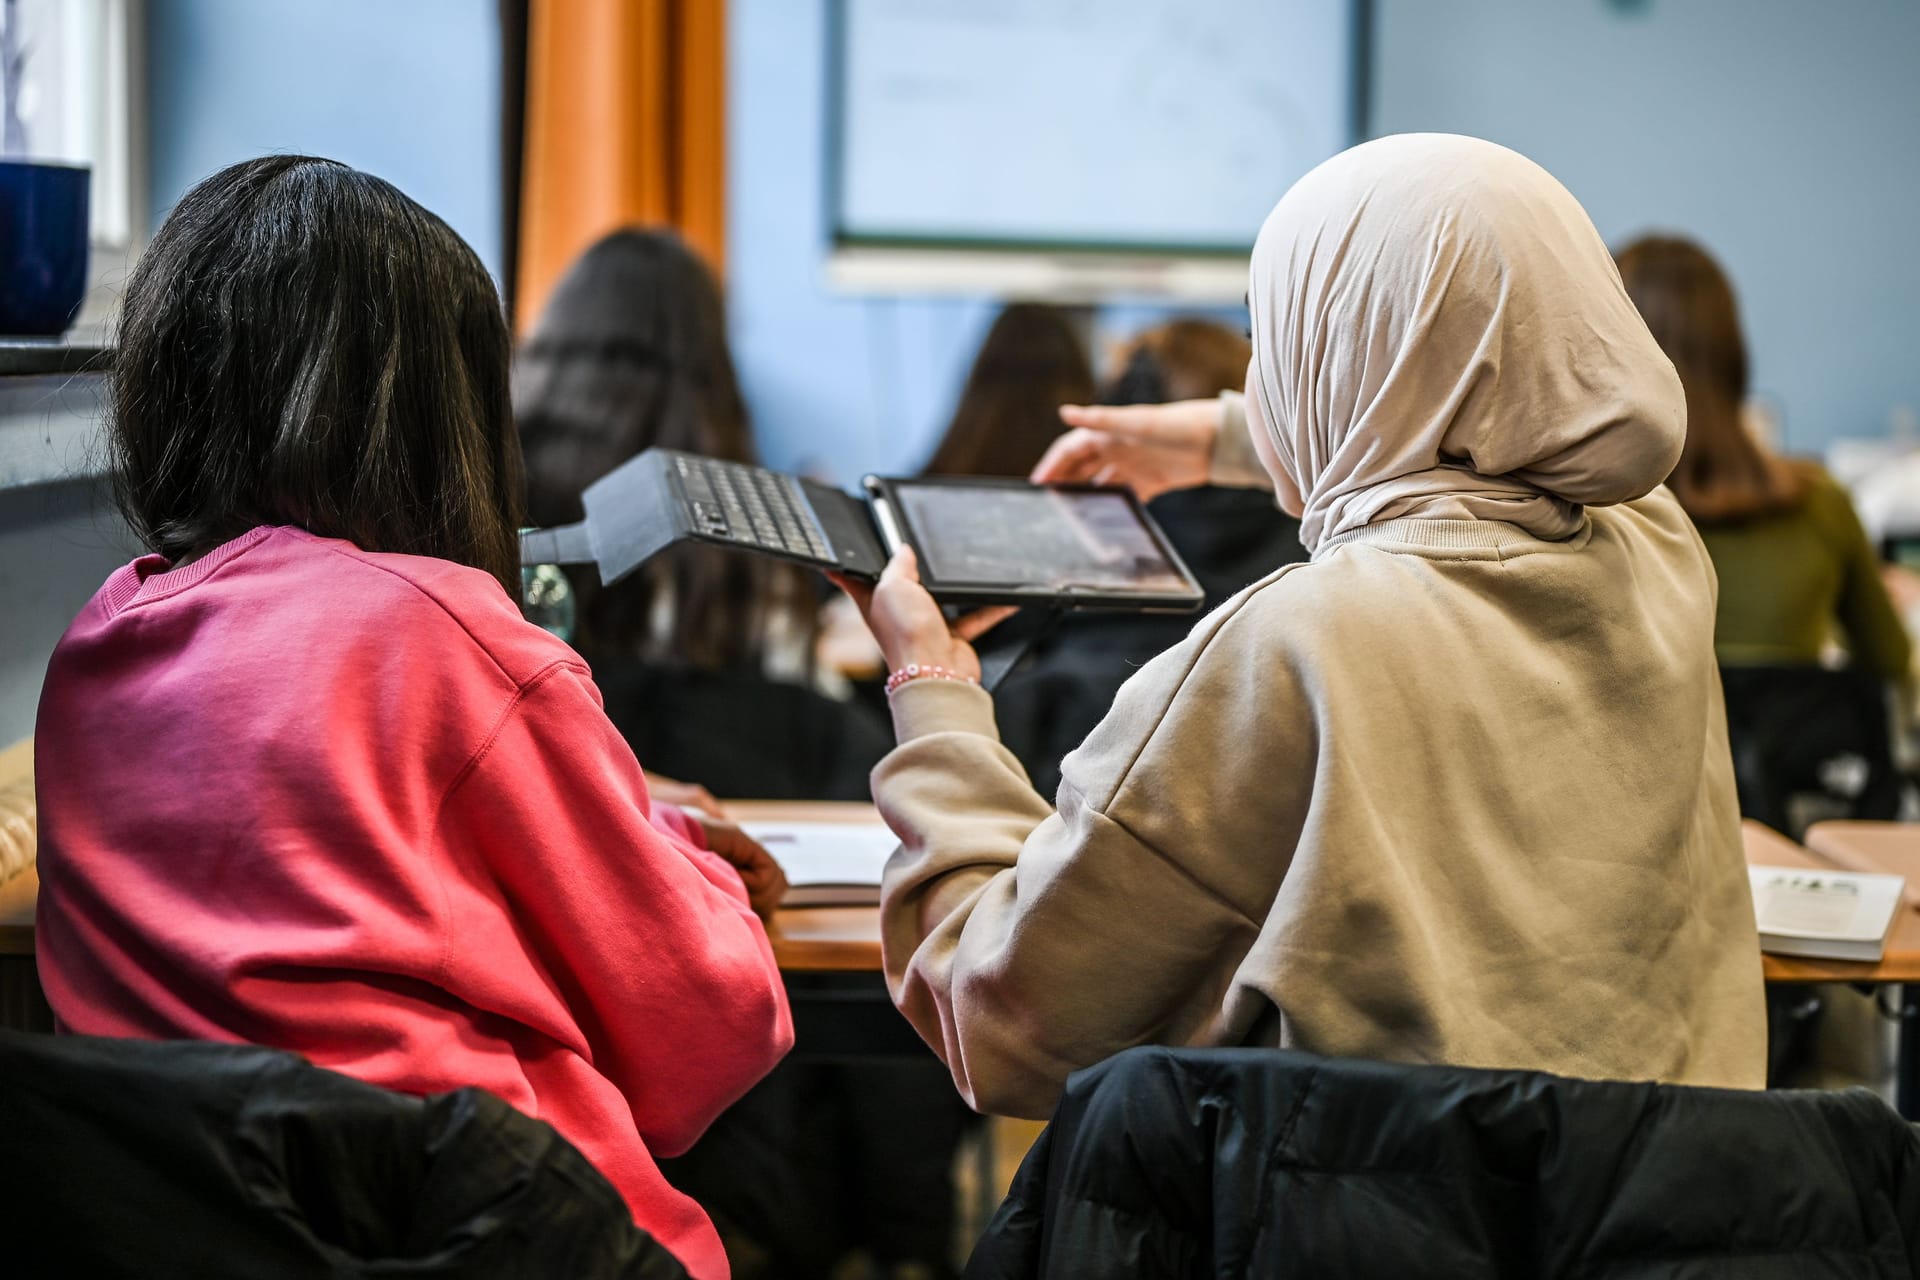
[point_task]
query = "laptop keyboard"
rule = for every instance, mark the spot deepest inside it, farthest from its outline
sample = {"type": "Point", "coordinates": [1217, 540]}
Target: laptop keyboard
{"type": "Point", "coordinates": [751, 507]}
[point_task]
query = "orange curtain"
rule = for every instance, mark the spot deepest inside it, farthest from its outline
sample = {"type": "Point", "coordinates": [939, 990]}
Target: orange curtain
{"type": "Point", "coordinates": [625, 124]}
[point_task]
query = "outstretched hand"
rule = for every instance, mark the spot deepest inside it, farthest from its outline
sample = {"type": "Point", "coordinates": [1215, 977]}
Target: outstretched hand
{"type": "Point", "coordinates": [1150, 448]}
{"type": "Point", "coordinates": [908, 624]}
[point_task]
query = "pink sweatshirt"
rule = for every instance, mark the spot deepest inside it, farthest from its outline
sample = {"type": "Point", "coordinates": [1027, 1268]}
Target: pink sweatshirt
{"type": "Point", "coordinates": [352, 805]}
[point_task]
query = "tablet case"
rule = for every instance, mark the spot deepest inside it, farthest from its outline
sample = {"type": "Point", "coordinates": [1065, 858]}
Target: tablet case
{"type": "Point", "coordinates": [641, 508]}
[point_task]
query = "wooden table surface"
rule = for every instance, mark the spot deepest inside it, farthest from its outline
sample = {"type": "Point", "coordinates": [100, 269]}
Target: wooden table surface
{"type": "Point", "coordinates": [1889, 847]}
{"type": "Point", "coordinates": [1901, 963]}
{"type": "Point", "coordinates": [847, 939]}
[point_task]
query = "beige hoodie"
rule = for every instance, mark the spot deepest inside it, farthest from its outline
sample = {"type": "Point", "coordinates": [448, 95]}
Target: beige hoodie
{"type": "Point", "coordinates": [1457, 790]}
{"type": "Point", "coordinates": [1447, 793]}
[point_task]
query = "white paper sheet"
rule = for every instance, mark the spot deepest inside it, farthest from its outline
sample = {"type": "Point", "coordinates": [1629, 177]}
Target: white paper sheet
{"type": "Point", "coordinates": [815, 854]}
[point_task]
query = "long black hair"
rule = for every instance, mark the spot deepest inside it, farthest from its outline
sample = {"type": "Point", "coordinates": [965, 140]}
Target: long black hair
{"type": "Point", "coordinates": [302, 344]}
{"type": "Point", "coordinates": [1030, 363]}
{"type": "Point", "coordinates": [629, 354]}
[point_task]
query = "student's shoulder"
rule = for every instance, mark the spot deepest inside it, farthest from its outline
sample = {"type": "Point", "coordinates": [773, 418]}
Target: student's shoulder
{"type": "Point", "coordinates": [1657, 514]}
{"type": "Point", "coordinates": [1652, 525]}
{"type": "Point", "coordinates": [1827, 501]}
{"type": "Point", "coordinates": [1281, 611]}
{"type": "Point", "coordinates": [453, 610]}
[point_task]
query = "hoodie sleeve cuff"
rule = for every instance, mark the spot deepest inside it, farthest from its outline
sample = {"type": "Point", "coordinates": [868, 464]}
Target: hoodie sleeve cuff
{"type": "Point", "coordinates": [1235, 464]}
{"type": "Point", "coordinates": [922, 707]}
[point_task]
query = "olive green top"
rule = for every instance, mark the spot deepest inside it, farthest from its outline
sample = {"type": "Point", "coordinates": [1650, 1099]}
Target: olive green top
{"type": "Point", "coordinates": [1788, 581]}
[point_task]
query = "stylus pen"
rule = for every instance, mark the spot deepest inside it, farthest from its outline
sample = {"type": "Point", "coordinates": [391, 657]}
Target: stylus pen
{"type": "Point", "coordinates": [883, 512]}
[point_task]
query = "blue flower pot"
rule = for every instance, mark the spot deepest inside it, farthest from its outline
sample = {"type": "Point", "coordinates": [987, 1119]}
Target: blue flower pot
{"type": "Point", "coordinates": [43, 246]}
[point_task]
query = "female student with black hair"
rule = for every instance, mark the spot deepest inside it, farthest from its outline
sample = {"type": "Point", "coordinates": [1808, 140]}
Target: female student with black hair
{"type": "Point", "coordinates": [705, 657]}
{"type": "Point", "coordinates": [307, 779]}
{"type": "Point", "coordinates": [1456, 790]}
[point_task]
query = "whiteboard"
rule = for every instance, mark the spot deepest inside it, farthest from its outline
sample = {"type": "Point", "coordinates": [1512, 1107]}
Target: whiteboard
{"type": "Point", "coordinates": [1162, 125]}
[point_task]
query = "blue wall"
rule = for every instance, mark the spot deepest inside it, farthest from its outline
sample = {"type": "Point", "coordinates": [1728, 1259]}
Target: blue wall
{"type": "Point", "coordinates": [1779, 132]}
{"type": "Point", "coordinates": [838, 384]}
{"type": "Point", "coordinates": [406, 89]}
{"type": "Point", "coordinates": [1783, 134]}
{"type": "Point", "coordinates": [1776, 132]}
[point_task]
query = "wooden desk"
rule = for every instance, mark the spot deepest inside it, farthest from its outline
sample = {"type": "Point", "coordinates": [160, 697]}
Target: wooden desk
{"type": "Point", "coordinates": [1901, 963]}
{"type": "Point", "coordinates": [1889, 847]}
{"type": "Point", "coordinates": [847, 939]}
{"type": "Point", "coordinates": [805, 939]}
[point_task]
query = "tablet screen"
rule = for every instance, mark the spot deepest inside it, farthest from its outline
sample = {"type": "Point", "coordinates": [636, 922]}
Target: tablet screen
{"type": "Point", "coordinates": [1062, 539]}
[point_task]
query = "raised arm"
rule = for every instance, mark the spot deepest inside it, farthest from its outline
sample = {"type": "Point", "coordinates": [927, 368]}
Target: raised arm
{"type": "Point", "coordinates": [1024, 944]}
{"type": "Point", "coordinates": [1155, 448]}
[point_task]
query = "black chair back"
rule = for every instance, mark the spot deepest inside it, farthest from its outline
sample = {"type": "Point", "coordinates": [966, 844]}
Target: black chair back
{"type": "Point", "coordinates": [170, 1159]}
{"type": "Point", "coordinates": [1258, 1162]}
{"type": "Point", "coordinates": [1810, 744]}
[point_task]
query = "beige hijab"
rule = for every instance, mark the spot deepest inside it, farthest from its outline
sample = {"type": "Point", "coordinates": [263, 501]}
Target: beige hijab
{"type": "Point", "coordinates": [1439, 331]}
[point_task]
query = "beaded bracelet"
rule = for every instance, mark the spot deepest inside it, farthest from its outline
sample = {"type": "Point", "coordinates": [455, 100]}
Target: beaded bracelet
{"type": "Point", "coordinates": [923, 671]}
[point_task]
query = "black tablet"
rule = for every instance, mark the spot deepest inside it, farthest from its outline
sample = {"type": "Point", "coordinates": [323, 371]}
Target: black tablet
{"type": "Point", "coordinates": [1006, 541]}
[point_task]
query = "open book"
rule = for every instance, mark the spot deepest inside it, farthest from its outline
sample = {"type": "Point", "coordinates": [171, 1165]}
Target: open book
{"type": "Point", "coordinates": [1828, 915]}
{"type": "Point", "coordinates": [828, 863]}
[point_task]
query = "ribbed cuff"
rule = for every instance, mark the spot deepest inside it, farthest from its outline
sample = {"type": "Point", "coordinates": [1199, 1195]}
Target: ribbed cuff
{"type": "Point", "coordinates": [921, 707]}
{"type": "Point", "coordinates": [1234, 463]}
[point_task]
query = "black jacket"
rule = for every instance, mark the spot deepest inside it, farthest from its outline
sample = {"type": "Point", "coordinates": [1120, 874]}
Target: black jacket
{"type": "Point", "coordinates": [1260, 1163]}
{"type": "Point", "coordinates": [164, 1159]}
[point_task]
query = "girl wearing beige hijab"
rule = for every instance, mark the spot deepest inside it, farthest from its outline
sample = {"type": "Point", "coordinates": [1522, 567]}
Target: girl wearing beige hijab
{"type": "Point", "coordinates": [1456, 790]}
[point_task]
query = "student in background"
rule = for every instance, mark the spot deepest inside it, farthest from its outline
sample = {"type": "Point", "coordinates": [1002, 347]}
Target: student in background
{"type": "Point", "coordinates": [306, 777]}
{"type": "Point", "coordinates": [1229, 538]}
{"type": "Point", "coordinates": [1030, 363]}
{"type": "Point", "coordinates": [1457, 790]}
{"type": "Point", "coordinates": [705, 656]}
{"type": "Point", "coordinates": [1794, 566]}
